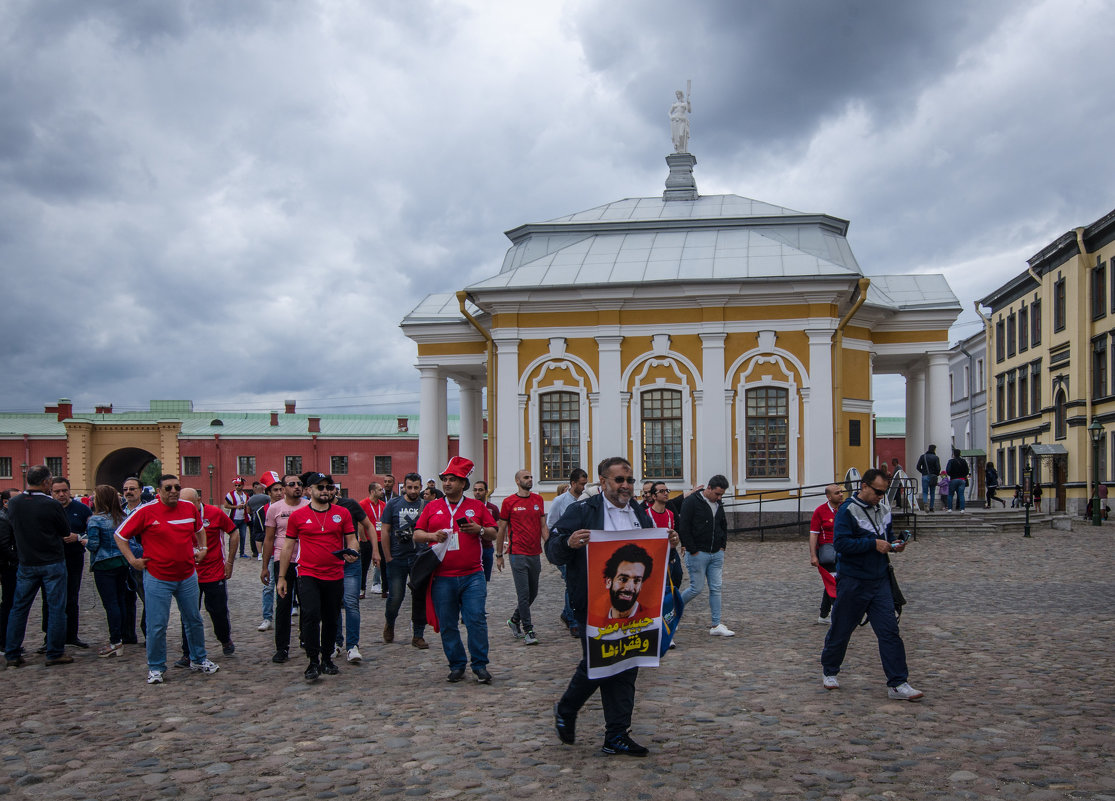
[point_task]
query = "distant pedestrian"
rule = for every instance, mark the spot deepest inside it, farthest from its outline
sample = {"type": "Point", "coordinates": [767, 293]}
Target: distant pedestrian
{"type": "Point", "coordinates": [991, 478]}
{"type": "Point", "coordinates": [820, 533]}
{"type": "Point", "coordinates": [929, 465]}
{"type": "Point", "coordinates": [1037, 496]}
{"type": "Point", "coordinates": [703, 528]}
{"type": "Point", "coordinates": [110, 568]}
{"type": "Point", "coordinates": [943, 491]}
{"type": "Point", "coordinates": [957, 469]}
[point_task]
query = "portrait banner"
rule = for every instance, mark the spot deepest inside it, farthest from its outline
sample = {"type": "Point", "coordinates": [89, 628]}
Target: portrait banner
{"type": "Point", "coordinates": [626, 582]}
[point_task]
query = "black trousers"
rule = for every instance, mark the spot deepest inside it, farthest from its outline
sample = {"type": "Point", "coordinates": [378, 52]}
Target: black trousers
{"type": "Point", "coordinates": [7, 595]}
{"type": "Point", "coordinates": [75, 565]}
{"type": "Point", "coordinates": [321, 603]}
{"type": "Point", "coordinates": [283, 607]}
{"type": "Point", "coordinates": [213, 595]}
{"type": "Point", "coordinates": [366, 551]}
{"type": "Point", "coordinates": [617, 696]}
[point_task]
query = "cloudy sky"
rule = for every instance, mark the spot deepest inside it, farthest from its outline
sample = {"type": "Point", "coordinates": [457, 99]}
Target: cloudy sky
{"type": "Point", "coordinates": [236, 202]}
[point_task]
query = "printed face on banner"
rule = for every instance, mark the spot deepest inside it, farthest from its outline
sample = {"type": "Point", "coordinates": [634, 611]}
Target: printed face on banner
{"type": "Point", "coordinates": [627, 573]}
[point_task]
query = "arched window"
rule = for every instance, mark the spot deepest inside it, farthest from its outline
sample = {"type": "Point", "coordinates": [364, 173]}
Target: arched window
{"type": "Point", "coordinates": [660, 416]}
{"type": "Point", "coordinates": [559, 416]}
{"type": "Point", "coordinates": [768, 432]}
{"type": "Point", "coordinates": [1059, 415]}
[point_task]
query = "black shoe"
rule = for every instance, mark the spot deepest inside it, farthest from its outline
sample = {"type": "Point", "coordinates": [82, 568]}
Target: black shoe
{"type": "Point", "coordinates": [280, 657]}
{"type": "Point", "coordinates": [41, 649]}
{"type": "Point", "coordinates": [65, 659]}
{"type": "Point", "coordinates": [622, 744]}
{"type": "Point", "coordinates": [575, 631]}
{"type": "Point", "coordinates": [312, 672]}
{"type": "Point", "coordinates": [566, 727]}
{"type": "Point", "coordinates": [329, 669]}
{"type": "Point", "coordinates": [564, 619]}
{"type": "Point", "coordinates": [18, 662]}
{"type": "Point", "coordinates": [184, 662]}
{"type": "Point", "coordinates": [77, 643]}
{"type": "Point", "coordinates": [455, 676]}
{"type": "Point", "coordinates": [483, 676]}
{"type": "Point", "coordinates": [228, 648]}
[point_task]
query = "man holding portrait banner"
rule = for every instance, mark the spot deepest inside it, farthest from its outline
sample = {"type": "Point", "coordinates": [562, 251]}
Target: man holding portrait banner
{"type": "Point", "coordinates": [615, 571]}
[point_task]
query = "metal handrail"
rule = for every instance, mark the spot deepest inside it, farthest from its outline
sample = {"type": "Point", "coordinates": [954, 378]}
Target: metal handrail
{"type": "Point", "coordinates": [901, 496]}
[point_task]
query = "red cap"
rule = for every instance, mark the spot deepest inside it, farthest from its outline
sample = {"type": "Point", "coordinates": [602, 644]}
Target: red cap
{"type": "Point", "coordinates": [458, 466]}
{"type": "Point", "coordinates": [269, 479]}
{"type": "Point", "coordinates": [238, 480]}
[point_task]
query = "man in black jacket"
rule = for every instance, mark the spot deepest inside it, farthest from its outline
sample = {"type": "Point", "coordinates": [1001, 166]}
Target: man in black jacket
{"type": "Point", "coordinates": [39, 526]}
{"type": "Point", "coordinates": [703, 527]}
{"type": "Point", "coordinates": [929, 465]}
{"type": "Point", "coordinates": [610, 510]}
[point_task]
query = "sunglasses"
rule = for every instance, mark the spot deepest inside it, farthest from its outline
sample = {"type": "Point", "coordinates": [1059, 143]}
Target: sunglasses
{"type": "Point", "coordinates": [325, 487]}
{"type": "Point", "coordinates": [879, 492]}
{"type": "Point", "coordinates": [171, 487]}
{"type": "Point", "coordinates": [294, 483]}
{"type": "Point", "coordinates": [625, 480]}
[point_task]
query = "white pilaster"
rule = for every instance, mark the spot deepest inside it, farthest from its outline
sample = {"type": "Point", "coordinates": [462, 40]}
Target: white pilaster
{"type": "Point", "coordinates": [442, 424]}
{"type": "Point", "coordinates": [938, 404]}
{"type": "Point", "coordinates": [509, 425]}
{"type": "Point", "coordinates": [429, 383]}
{"type": "Point", "coordinates": [712, 428]}
{"type": "Point", "coordinates": [472, 431]}
{"type": "Point", "coordinates": [820, 461]}
{"type": "Point", "coordinates": [607, 435]}
{"type": "Point", "coordinates": [915, 422]}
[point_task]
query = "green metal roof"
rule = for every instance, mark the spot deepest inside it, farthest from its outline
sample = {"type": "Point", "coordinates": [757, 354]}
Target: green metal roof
{"type": "Point", "coordinates": [231, 424]}
{"type": "Point", "coordinates": [890, 426]}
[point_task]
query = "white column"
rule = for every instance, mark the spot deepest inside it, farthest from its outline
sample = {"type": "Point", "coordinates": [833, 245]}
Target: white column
{"type": "Point", "coordinates": [430, 382]}
{"type": "Point", "coordinates": [915, 417]}
{"type": "Point", "coordinates": [820, 461]}
{"type": "Point", "coordinates": [938, 404]}
{"type": "Point", "coordinates": [472, 431]}
{"type": "Point", "coordinates": [442, 424]}
{"type": "Point", "coordinates": [712, 432]}
{"type": "Point", "coordinates": [607, 435]}
{"type": "Point", "coordinates": [509, 426]}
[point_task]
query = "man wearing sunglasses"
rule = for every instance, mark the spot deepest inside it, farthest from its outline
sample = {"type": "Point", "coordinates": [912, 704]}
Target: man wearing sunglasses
{"type": "Point", "coordinates": [320, 530]}
{"type": "Point", "coordinates": [274, 538]}
{"type": "Point", "coordinates": [612, 509]}
{"type": "Point", "coordinates": [174, 543]}
{"type": "Point", "coordinates": [863, 537]}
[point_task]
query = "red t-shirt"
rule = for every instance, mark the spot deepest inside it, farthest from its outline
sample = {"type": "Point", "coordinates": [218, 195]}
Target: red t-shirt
{"type": "Point", "coordinates": [463, 560]}
{"type": "Point", "coordinates": [663, 520]}
{"type": "Point", "coordinates": [373, 510]}
{"type": "Point", "coordinates": [822, 522]}
{"type": "Point", "coordinates": [168, 534]}
{"type": "Point", "coordinates": [216, 523]}
{"type": "Point", "coordinates": [319, 534]}
{"type": "Point", "coordinates": [523, 516]}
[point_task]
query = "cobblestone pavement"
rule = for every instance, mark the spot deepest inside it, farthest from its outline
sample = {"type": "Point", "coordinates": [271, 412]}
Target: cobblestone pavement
{"type": "Point", "coordinates": [1010, 639]}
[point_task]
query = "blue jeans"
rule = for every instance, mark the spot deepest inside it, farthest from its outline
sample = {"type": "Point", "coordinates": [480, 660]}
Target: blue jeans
{"type": "Point", "coordinates": [957, 486]}
{"type": "Point", "coordinates": [487, 559]}
{"type": "Point", "coordinates": [567, 612]}
{"type": "Point", "coordinates": [854, 597]}
{"type": "Point", "coordinates": [157, 606]}
{"type": "Point", "coordinates": [928, 490]}
{"type": "Point", "coordinates": [112, 586]}
{"type": "Point", "coordinates": [52, 578]}
{"type": "Point", "coordinates": [462, 597]}
{"type": "Point", "coordinates": [350, 603]}
{"type": "Point", "coordinates": [269, 589]}
{"type": "Point", "coordinates": [245, 533]}
{"type": "Point", "coordinates": [701, 566]}
{"type": "Point", "coordinates": [398, 571]}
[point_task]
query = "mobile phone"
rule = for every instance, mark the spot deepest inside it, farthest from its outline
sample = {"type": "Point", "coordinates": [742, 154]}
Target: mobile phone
{"type": "Point", "coordinates": [461, 521]}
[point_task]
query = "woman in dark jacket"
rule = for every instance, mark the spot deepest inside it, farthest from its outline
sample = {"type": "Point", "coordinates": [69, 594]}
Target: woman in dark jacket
{"type": "Point", "coordinates": [991, 475]}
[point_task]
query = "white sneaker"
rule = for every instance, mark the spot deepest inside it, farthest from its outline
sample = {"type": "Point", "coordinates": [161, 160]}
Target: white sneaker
{"type": "Point", "coordinates": [259, 558]}
{"type": "Point", "coordinates": [904, 692]}
{"type": "Point", "coordinates": [206, 666]}
{"type": "Point", "coordinates": [154, 677]}
{"type": "Point", "coordinates": [826, 621]}
{"type": "Point", "coordinates": [354, 655]}
{"type": "Point", "coordinates": [720, 630]}
{"type": "Point", "coordinates": [264, 626]}
{"type": "Point", "coordinates": [294, 611]}
{"type": "Point", "coordinates": [830, 682]}
{"type": "Point", "coordinates": [337, 651]}
{"type": "Point", "coordinates": [377, 588]}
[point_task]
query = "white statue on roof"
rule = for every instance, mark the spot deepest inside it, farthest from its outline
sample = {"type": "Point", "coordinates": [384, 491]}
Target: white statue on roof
{"type": "Point", "coordinates": [679, 119]}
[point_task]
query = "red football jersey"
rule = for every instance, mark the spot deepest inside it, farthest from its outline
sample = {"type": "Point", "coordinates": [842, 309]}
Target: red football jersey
{"type": "Point", "coordinates": [319, 535]}
{"type": "Point", "coordinates": [168, 534]}
{"type": "Point", "coordinates": [216, 524]}
{"type": "Point", "coordinates": [524, 520]}
{"type": "Point", "coordinates": [465, 558]}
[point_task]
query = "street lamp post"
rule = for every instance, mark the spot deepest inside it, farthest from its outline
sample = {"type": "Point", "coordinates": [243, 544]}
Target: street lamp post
{"type": "Point", "coordinates": [211, 468]}
{"type": "Point", "coordinates": [1095, 431]}
{"type": "Point", "coordinates": [1027, 492]}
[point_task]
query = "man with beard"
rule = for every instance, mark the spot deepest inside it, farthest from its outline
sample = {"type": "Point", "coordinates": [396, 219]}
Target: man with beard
{"type": "Point", "coordinates": [278, 515]}
{"type": "Point", "coordinates": [399, 554]}
{"type": "Point", "coordinates": [610, 510]}
{"type": "Point", "coordinates": [488, 556]}
{"type": "Point", "coordinates": [320, 530]}
{"type": "Point", "coordinates": [624, 574]}
{"type": "Point", "coordinates": [524, 516]}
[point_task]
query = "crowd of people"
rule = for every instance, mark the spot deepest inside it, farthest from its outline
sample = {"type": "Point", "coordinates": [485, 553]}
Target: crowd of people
{"type": "Point", "coordinates": [317, 549]}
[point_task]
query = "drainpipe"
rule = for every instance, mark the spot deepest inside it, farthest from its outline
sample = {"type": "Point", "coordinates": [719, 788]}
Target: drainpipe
{"type": "Point", "coordinates": [987, 377]}
{"type": "Point", "coordinates": [489, 354]}
{"type": "Point", "coordinates": [1089, 382]}
{"type": "Point", "coordinates": [838, 365]}
{"type": "Point", "coordinates": [971, 411]}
